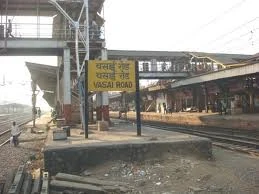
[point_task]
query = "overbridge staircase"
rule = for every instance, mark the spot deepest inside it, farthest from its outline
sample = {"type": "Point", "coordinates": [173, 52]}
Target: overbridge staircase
{"type": "Point", "coordinates": [150, 106]}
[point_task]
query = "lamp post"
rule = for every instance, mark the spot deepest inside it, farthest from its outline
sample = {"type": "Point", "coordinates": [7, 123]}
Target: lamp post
{"type": "Point", "coordinates": [33, 87]}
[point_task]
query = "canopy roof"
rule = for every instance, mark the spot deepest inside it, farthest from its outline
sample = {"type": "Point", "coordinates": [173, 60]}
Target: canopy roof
{"type": "Point", "coordinates": [45, 77]}
{"type": "Point", "coordinates": [222, 58]}
{"type": "Point", "coordinates": [43, 7]}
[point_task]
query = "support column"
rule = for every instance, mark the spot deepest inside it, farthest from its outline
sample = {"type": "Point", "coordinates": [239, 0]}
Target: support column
{"type": "Point", "coordinates": [34, 111]}
{"type": "Point", "coordinates": [251, 101]}
{"type": "Point", "coordinates": [194, 97]}
{"type": "Point", "coordinates": [91, 110]}
{"type": "Point", "coordinates": [123, 100]}
{"type": "Point", "coordinates": [58, 87]}
{"type": "Point", "coordinates": [98, 106]}
{"type": "Point", "coordinates": [198, 100]}
{"type": "Point", "coordinates": [67, 86]}
{"type": "Point", "coordinates": [105, 96]}
{"type": "Point", "coordinates": [206, 98]}
{"type": "Point", "coordinates": [123, 104]}
{"type": "Point", "coordinates": [102, 99]}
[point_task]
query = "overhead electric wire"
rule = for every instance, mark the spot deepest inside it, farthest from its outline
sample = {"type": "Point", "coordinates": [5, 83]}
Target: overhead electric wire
{"type": "Point", "coordinates": [236, 38]}
{"type": "Point", "coordinates": [221, 15]}
{"type": "Point", "coordinates": [215, 19]}
{"type": "Point", "coordinates": [241, 46]}
{"type": "Point", "coordinates": [234, 30]}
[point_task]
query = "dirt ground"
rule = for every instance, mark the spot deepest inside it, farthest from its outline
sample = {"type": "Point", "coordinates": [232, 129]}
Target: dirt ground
{"type": "Point", "coordinates": [28, 151]}
{"type": "Point", "coordinates": [227, 172]}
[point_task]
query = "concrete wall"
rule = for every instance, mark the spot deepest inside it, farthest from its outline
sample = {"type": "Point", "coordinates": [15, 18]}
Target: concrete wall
{"type": "Point", "coordinates": [75, 159]}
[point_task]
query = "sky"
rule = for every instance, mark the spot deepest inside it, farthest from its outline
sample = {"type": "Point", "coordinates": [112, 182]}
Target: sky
{"type": "Point", "coordinates": [230, 26]}
{"type": "Point", "coordinates": [183, 25]}
{"type": "Point", "coordinates": [15, 80]}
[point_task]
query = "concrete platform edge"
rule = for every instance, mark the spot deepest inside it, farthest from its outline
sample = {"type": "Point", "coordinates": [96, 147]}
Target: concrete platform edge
{"type": "Point", "coordinates": [76, 158]}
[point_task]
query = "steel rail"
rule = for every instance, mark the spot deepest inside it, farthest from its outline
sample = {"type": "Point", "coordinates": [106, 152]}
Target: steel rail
{"type": "Point", "coordinates": [250, 144]}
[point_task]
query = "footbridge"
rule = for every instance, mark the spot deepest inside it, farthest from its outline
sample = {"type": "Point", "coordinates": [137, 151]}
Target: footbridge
{"type": "Point", "coordinates": [176, 64]}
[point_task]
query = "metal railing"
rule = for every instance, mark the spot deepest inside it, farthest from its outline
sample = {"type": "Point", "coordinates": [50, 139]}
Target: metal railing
{"type": "Point", "coordinates": [174, 68]}
{"type": "Point", "coordinates": [161, 67]}
{"type": "Point", "coordinates": [34, 30]}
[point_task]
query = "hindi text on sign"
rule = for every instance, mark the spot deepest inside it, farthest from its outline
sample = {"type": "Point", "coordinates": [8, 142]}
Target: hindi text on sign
{"type": "Point", "coordinates": [111, 76]}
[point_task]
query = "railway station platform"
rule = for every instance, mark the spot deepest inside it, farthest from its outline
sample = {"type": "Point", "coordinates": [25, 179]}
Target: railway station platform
{"type": "Point", "coordinates": [240, 121]}
{"type": "Point", "coordinates": [120, 142]}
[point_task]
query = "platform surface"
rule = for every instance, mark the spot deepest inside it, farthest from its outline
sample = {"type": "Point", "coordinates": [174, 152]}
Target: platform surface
{"type": "Point", "coordinates": [239, 121]}
{"type": "Point", "coordinates": [122, 132]}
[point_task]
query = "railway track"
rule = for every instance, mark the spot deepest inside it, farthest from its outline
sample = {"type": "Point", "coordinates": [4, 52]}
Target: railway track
{"type": "Point", "coordinates": [238, 140]}
{"type": "Point", "coordinates": [5, 123]}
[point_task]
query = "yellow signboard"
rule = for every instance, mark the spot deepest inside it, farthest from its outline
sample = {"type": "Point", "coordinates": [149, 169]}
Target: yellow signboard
{"type": "Point", "coordinates": [111, 75]}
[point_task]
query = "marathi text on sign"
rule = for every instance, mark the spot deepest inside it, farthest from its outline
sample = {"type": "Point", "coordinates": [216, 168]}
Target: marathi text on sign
{"type": "Point", "coordinates": [111, 75]}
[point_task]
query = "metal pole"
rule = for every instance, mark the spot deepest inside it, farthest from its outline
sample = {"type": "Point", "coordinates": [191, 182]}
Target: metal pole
{"type": "Point", "coordinates": [86, 5]}
{"type": "Point", "coordinates": [137, 100]}
{"type": "Point", "coordinates": [33, 86]}
{"type": "Point", "coordinates": [86, 100]}
{"type": "Point", "coordinates": [38, 21]}
{"type": "Point", "coordinates": [6, 8]}
{"type": "Point", "coordinates": [1, 14]}
{"type": "Point", "coordinates": [87, 29]}
{"type": "Point", "coordinates": [78, 73]}
{"type": "Point", "coordinates": [58, 86]}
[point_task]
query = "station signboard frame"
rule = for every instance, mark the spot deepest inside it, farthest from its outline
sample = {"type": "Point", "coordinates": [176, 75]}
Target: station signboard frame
{"type": "Point", "coordinates": [108, 75]}
{"type": "Point", "coordinates": [112, 75]}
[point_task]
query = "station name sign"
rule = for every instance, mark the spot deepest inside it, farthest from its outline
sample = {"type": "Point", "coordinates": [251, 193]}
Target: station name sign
{"type": "Point", "coordinates": [111, 75]}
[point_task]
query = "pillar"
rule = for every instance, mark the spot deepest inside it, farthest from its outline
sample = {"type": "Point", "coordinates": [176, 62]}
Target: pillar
{"type": "Point", "coordinates": [98, 106]}
{"type": "Point", "coordinates": [102, 99]}
{"type": "Point", "coordinates": [251, 101]}
{"type": "Point", "coordinates": [58, 86]}
{"type": "Point", "coordinates": [206, 99]}
{"type": "Point", "coordinates": [194, 97]}
{"type": "Point", "coordinates": [123, 100]}
{"type": "Point", "coordinates": [33, 87]}
{"type": "Point", "coordinates": [91, 110]}
{"type": "Point", "coordinates": [67, 86]}
{"type": "Point", "coordinates": [199, 98]}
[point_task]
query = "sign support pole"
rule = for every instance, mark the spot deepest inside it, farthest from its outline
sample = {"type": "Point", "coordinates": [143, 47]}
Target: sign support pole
{"type": "Point", "coordinates": [86, 100]}
{"type": "Point", "coordinates": [137, 100]}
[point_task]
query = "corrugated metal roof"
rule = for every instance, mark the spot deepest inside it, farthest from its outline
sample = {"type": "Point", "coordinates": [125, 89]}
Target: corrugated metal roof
{"type": "Point", "coordinates": [145, 55]}
{"type": "Point", "coordinates": [29, 7]}
{"type": "Point", "coordinates": [46, 78]}
{"type": "Point", "coordinates": [222, 58]}
{"type": "Point", "coordinates": [217, 75]}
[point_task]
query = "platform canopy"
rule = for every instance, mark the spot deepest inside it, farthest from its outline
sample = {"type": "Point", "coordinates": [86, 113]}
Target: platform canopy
{"type": "Point", "coordinates": [221, 58]}
{"type": "Point", "coordinates": [218, 75]}
{"type": "Point", "coordinates": [45, 77]}
{"type": "Point", "coordinates": [43, 7]}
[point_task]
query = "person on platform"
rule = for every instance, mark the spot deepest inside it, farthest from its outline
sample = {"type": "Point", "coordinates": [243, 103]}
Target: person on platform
{"type": "Point", "coordinates": [15, 133]}
{"type": "Point", "coordinates": [219, 107]}
{"type": "Point", "coordinates": [164, 106]}
{"type": "Point", "coordinates": [39, 112]}
{"type": "Point", "coordinates": [224, 107]}
{"type": "Point", "coordinates": [9, 29]}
